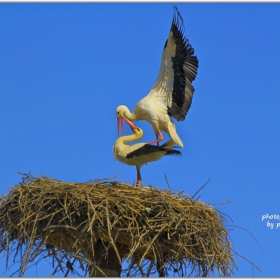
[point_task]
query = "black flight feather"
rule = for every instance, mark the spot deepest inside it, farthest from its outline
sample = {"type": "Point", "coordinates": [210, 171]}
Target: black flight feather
{"type": "Point", "coordinates": [149, 149]}
{"type": "Point", "coordinates": [185, 65]}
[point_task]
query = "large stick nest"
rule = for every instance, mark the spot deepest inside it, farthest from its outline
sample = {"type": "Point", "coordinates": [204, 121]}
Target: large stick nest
{"type": "Point", "coordinates": [153, 230]}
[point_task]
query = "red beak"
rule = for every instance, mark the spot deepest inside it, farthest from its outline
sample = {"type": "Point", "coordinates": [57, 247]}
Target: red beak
{"type": "Point", "coordinates": [121, 124]}
{"type": "Point", "coordinates": [132, 126]}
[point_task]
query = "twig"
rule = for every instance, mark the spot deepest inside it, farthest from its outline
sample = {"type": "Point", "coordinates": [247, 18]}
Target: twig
{"type": "Point", "coordinates": [247, 232]}
{"type": "Point", "coordinates": [247, 260]}
{"type": "Point", "coordinates": [167, 182]}
{"type": "Point", "coordinates": [200, 189]}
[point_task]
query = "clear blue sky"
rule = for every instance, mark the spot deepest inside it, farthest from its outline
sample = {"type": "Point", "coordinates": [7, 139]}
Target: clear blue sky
{"type": "Point", "coordinates": [64, 68]}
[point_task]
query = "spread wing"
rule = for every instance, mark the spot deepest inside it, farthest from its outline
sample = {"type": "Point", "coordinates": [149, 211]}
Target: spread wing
{"type": "Point", "coordinates": [177, 71]}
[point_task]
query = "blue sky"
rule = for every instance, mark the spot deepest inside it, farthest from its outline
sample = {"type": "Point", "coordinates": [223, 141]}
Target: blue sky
{"type": "Point", "coordinates": [66, 67]}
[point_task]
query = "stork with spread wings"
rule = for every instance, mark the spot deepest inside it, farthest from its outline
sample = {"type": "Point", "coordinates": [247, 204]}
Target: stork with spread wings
{"type": "Point", "coordinates": [171, 95]}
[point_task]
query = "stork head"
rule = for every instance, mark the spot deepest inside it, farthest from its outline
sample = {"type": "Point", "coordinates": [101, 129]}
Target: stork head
{"type": "Point", "coordinates": [136, 130]}
{"type": "Point", "coordinates": [122, 112]}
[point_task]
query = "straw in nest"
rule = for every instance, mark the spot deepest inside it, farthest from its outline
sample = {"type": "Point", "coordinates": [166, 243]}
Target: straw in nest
{"type": "Point", "coordinates": [155, 230]}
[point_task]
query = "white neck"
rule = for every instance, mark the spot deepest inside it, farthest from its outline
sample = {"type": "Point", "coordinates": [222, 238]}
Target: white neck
{"type": "Point", "coordinates": [129, 138]}
{"type": "Point", "coordinates": [131, 116]}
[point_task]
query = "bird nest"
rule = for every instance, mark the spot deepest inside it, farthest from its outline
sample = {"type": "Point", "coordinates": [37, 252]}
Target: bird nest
{"type": "Point", "coordinates": [153, 231]}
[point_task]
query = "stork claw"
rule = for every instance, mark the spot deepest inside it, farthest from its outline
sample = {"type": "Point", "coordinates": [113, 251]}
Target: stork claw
{"type": "Point", "coordinates": [154, 141]}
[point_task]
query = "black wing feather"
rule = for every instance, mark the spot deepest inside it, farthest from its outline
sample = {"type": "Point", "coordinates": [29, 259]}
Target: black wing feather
{"type": "Point", "coordinates": [149, 149]}
{"type": "Point", "coordinates": [185, 65]}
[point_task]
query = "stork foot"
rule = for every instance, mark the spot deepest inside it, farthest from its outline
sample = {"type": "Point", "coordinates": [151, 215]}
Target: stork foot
{"type": "Point", "coordinates": [154, 141]}
{"type": "Point", "coordinates": [159, 138]}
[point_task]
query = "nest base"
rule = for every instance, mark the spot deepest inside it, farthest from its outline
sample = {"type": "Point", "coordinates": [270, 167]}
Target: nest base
{"type": "Point", "coordinates": [155, 231]}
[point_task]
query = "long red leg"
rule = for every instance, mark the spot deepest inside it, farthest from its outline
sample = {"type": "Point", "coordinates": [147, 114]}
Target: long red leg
{"type": "Point", "coordinates": [158, 139]}
{"type": "Point", "coordinates": [139, 179]}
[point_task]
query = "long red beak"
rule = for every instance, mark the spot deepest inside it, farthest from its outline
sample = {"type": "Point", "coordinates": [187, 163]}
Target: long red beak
{"type": "Point", "coordinates": [121, 124]}
{"type": "Point", "coordinates": [132, 126]}
{"type": "Point", "coordinates": [120, 121]}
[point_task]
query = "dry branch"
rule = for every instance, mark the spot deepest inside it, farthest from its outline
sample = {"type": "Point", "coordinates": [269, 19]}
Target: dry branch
{"type": "Point", "coordinates": [155, 230]}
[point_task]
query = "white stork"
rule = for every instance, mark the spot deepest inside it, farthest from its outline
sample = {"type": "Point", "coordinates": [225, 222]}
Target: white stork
{"type": "Point", "coordinates": [171, 95]}
{"type": "Point", "coordinates": [140, 153]}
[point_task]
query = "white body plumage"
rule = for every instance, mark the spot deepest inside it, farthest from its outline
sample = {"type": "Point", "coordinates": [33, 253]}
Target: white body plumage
{"type": "Point", "coordinates": [140, 153]}
{"type": "Point", "coordinates": [171, 95]}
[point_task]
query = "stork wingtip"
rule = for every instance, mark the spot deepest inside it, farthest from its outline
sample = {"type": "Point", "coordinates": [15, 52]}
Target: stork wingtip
{"type": "Point", "coordinates": [177, 19]}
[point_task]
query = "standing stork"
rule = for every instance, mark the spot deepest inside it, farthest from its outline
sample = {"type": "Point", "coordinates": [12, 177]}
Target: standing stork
{"type": "Point", "coordinates": [140, 153]}
{"type": "Point", "coordinates": [171, 95]}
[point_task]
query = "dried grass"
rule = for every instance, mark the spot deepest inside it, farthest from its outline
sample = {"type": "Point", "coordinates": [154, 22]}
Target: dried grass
{"type": "Point", "coordinates": [161, 231]}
